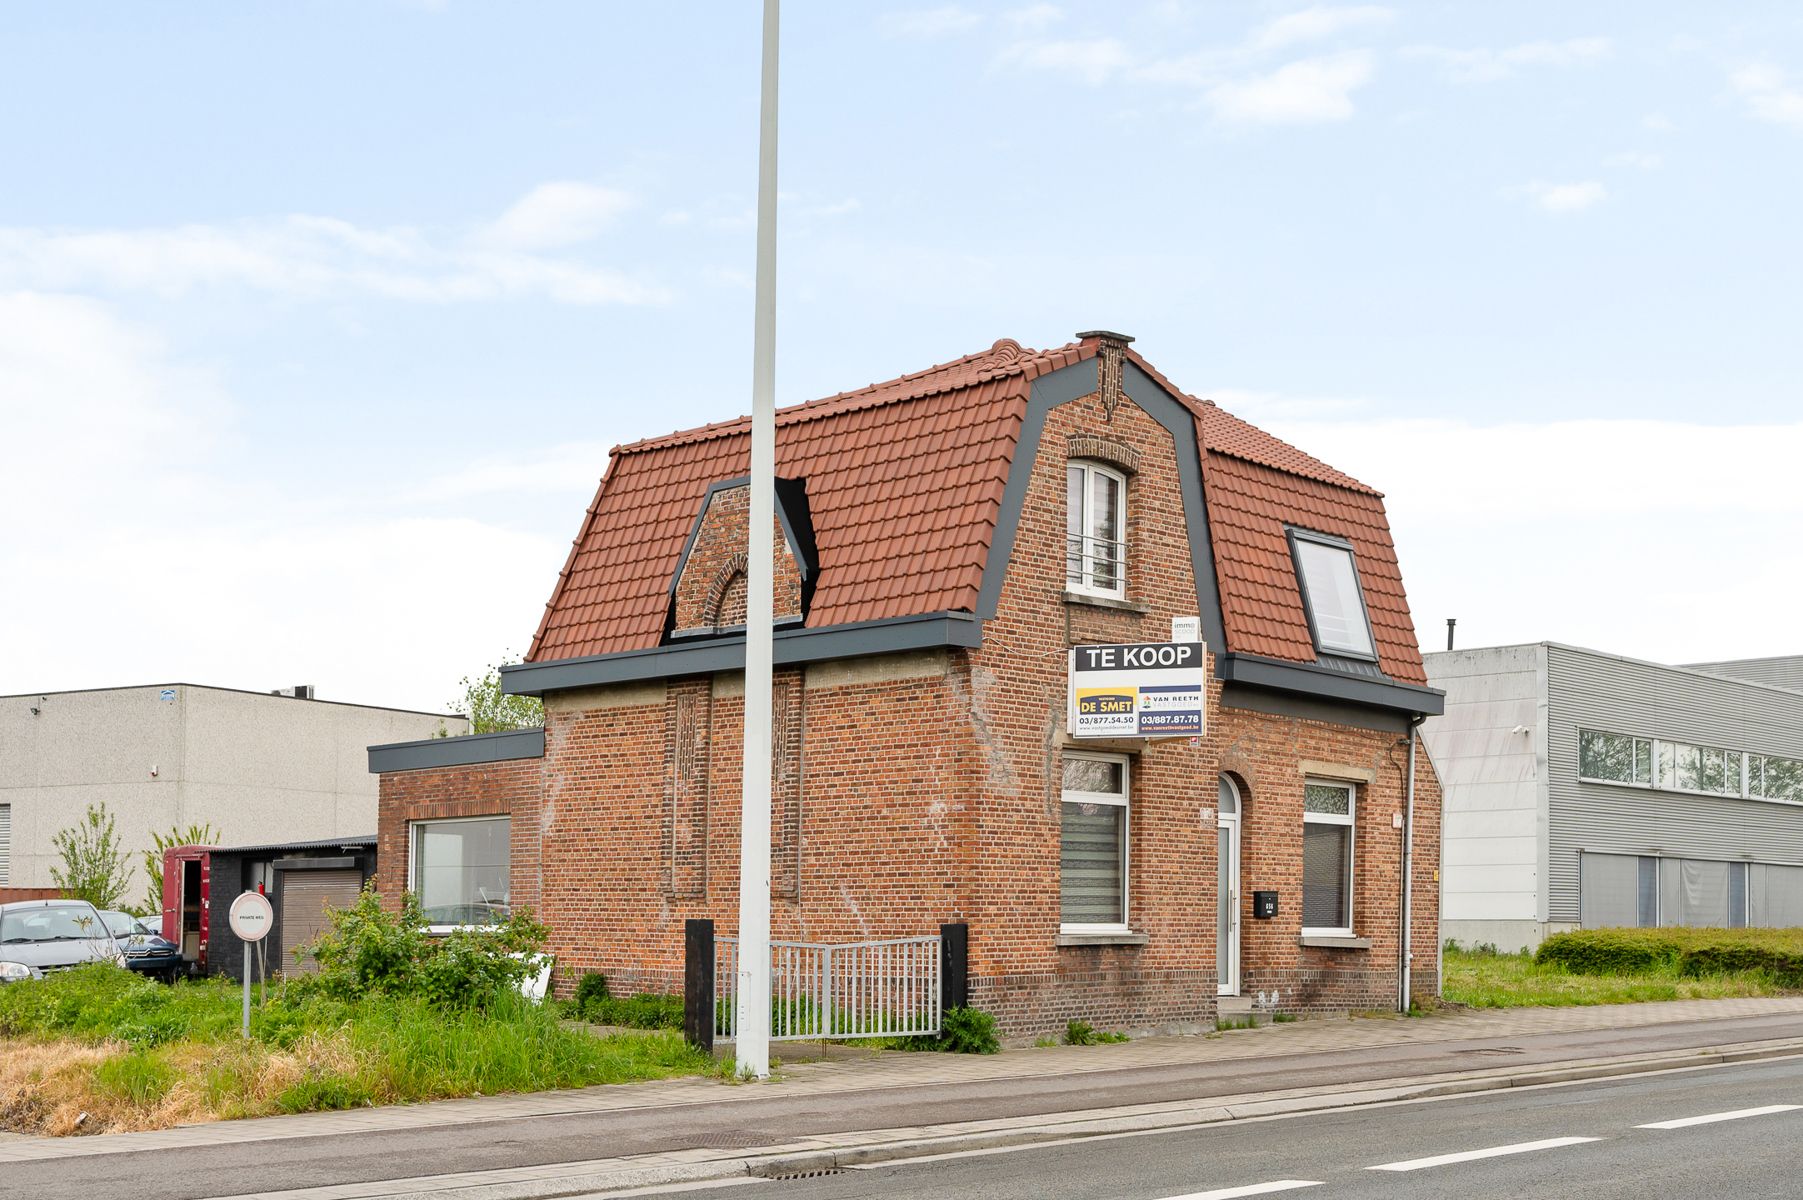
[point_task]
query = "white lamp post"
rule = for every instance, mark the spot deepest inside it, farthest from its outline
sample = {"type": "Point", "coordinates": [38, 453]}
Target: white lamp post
{"type": "Point", "coordinates": [753, 1019]}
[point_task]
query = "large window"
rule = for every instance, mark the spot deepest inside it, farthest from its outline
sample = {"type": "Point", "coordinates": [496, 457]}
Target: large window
{"type": "Point", "coordinates": [1331, 594]}
{"type": "Point", "coordinates": [1684, 767]}
{"type": "Point", "coordinates": [1095, 516]}
{"type": "Point", "coordinates": [1327, 812]}
{"type": "Point", "coordinates": [460, 870]}
{"type": "Point", "coordinates": [1092, 848]}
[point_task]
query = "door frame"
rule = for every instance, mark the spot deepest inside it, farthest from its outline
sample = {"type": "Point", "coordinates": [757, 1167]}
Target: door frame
{"type": "Point", "coordinates": [1231, 824]}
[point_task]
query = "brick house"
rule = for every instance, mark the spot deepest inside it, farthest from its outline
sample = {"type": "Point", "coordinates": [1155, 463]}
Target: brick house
{"type": "Point", "coordinates": [942, 541]}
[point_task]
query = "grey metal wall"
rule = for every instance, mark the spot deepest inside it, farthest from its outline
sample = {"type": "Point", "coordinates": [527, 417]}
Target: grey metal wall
{"type": "Point", "coordinates": [1784, 672]}
{"type": "Point", "coordinates": [1589, 690]}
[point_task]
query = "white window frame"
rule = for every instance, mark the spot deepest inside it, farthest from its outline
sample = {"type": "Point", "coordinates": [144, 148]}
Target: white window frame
{"type": "Point", "coordinates": [1123, 801]}
{"type": "Point", "coordinates": [1082, 584]}
{"type": "Point", "coordinates": [413, 858]}
{"type": "Point", "coordinates": [1328, 541]}
{"type": "Point", "coordinates": [1350, 823]}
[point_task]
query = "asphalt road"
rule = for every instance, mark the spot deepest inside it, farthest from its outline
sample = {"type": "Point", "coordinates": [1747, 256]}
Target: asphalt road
{"type": "Point", "coordinates": [1402, 1151]}
{"type": "Point", "coordinates": [750, 1120]}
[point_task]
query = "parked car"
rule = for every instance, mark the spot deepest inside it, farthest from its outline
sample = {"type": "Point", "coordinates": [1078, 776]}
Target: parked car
{"type": "Point", "coordinates": [145, 948]}
{"type": "Point", "coordinates": [53, 935]}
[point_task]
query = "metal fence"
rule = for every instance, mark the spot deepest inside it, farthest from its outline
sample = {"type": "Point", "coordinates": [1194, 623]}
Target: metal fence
{"type": "Point", "coordinates": [856, 990]}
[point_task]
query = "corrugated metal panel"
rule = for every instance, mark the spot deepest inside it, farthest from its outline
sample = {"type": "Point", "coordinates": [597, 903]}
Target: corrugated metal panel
{"type": "Point", "coordinates": [1784, 672]}
{"type": "Point", "coordinates": [6, 843]}
{"type": "Point", "coordinates": [1588, 690]}
{"type": "Point", "coordinates": [305, 895]}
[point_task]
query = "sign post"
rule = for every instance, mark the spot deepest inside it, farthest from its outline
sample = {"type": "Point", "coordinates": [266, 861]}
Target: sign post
{"type": "Point", "coordinates": [251, 919]}
{"type": "Point", "coordinates": [1144, 690]}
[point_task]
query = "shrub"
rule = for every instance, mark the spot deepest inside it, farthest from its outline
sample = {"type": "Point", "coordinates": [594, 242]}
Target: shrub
{"type": "Point", "coordinates": [590, 988]}
{"type": "Point", "coordinates": [1777, 954]}
{"type": "Point", "coordinates": [967, 1031]}
{"type": "Point", "coordinates": [646, 1010]}
{"type": "Point", "coordinates": [1082, 1033]}
{"type": "Point", "coordinates": [1613, 951]}
{"type": "Point", "coordinates": [369, 950]}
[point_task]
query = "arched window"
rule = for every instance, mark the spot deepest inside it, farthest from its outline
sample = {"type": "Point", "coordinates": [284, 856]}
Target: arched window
{"type": "Point", "coordinates": [1230, 796]}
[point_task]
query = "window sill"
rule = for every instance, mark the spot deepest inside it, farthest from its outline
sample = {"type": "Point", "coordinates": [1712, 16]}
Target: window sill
{"type": "Point", "coordinates": [1119, 605]}
{"type": "Point", "coordinates": [1124, 937]}
{"type": "Point", "coordinates": [1334, 941]}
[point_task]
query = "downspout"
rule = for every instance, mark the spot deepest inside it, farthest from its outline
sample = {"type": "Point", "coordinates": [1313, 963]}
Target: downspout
{"type": "Point", "coordinates": [1406, 950]}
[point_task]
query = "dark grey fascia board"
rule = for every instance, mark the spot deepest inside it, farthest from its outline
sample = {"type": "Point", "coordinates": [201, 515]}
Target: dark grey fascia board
{"type": "Point", "coordinates": [791, 647]}
{"type": "Point", "coordinates": [1310, 680]}
{"type": "Point", "coordinates": [457, 751]}
{"type": "Point", "coordinates": [1073, 383]}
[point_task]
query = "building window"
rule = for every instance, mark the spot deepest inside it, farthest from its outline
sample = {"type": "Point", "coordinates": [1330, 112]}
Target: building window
{"type": "Point", "coordinates": [1331, 594]}
{"type": "Point", "coordinates": [460, 871]}
{"type": "Point", "coordinates": [1614, 757]}
{"type": "Point", "coordinates": [1327, 811]}
{"type": "Point", "coordinates": [1092, 844]}
{"type": "Point", "coordinates": [1095, 516]}
{"type": "Point", "coordinates": [1683, 767]}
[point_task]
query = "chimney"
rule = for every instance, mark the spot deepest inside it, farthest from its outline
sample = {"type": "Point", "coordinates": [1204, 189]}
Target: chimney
{"type": "Point", "coordinates": [1450, 623]}
{"type": "Point", "coordinates": [1112, 354]}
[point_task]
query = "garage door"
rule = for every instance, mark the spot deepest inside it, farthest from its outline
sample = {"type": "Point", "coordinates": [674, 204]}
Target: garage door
{"type": "Point", "coordinates": [305, 897]}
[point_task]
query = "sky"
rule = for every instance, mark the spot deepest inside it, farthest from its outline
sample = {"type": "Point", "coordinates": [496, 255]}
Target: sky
{"type": "Point", "coordinates": [317, 321]}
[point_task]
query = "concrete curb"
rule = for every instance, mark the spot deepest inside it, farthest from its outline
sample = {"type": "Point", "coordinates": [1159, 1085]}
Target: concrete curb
{"type": "Point", "coordinates": [1058, 1127]}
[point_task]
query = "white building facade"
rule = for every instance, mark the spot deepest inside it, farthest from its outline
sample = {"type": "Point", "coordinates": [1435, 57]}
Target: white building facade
{"type": "Point", "coordinates": [1586, 789]}
{"type": "Point", "coordinates": [258, 767]}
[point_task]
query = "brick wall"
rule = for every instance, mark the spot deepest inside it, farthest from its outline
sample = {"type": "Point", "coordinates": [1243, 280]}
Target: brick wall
{"type": "Point", "coordinates": [486, 789]}
{"type": "Point", "coordinates": [711, 592]}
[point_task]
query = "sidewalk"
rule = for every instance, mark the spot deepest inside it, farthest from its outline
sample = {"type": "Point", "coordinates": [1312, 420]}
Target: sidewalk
{"type": "Point", "coordinates": [1063, 1078]}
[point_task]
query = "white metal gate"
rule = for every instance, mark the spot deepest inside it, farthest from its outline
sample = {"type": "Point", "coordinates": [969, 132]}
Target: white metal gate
{"type": "Point", "coordinates": [856, 990]}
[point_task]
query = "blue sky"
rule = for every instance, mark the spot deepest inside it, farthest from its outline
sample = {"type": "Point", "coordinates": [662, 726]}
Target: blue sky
{"type": "Point", "coordinates": [316, 321]}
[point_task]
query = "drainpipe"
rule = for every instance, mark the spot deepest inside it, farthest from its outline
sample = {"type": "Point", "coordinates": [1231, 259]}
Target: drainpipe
{"type": "Point", "coordinates": [1407, 939]}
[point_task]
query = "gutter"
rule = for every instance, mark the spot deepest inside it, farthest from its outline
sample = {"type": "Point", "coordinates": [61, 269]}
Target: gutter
{"type": "Point", "coordinates": [1406, 940]}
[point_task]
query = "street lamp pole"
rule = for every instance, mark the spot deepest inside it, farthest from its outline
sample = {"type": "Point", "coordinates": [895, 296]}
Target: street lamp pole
{"type": "Point", "coordinates": [753, 1019]}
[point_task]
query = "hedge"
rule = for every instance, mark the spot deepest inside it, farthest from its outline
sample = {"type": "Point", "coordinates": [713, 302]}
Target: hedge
{"type": "Point", "coordinates": [1777, 953]}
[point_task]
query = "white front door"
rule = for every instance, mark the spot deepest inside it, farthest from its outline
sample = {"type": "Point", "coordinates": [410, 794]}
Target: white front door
{"type": "Point", "coordinates": [1227, 889]}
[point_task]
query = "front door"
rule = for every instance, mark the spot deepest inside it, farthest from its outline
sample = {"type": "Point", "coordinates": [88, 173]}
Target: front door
{"type": "Point", "coordinates": [1227, 889]}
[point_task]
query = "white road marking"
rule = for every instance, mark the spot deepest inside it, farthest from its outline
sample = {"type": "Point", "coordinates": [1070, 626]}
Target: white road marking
{"type": "Point", "coordinates": [1251, 1189]}
{"type": "Point", "coordinates": [1712, 1118]}
{"type": "Point", "coordinates": [1440, 1160]}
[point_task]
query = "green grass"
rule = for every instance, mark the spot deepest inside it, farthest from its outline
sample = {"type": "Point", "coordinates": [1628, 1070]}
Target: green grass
{"type": "Point", "coordinates": [169, 1054]}
{"type": "Point", "coordinates": [1223, 1024]}
{"type": "Point", "coordinates": [1483, 978]}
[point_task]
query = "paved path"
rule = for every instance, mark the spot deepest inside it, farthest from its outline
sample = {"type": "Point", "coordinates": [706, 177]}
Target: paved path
{"type": "Point", "coordinates": [825, 1100]}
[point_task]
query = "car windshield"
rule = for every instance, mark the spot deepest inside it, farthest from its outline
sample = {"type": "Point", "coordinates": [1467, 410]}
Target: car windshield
{"type": "Point", "coordinates": [48, 925]}
{"type": "Point", "coordinates": [119, 924]}
{"type": "Point", "coordinates": [143, 925]}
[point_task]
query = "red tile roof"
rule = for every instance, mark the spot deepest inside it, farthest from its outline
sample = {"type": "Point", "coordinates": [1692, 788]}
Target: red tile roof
{"type": "Point", "coordinates": [905, 482]}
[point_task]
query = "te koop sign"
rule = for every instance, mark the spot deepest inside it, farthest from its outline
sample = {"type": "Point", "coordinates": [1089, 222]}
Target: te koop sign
{"type": "Point", "coordinates": [1147, 689]}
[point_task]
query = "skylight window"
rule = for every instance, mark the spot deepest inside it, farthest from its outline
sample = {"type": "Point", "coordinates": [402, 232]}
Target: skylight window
{"type": "Point", "coordinates": [1331, 594]}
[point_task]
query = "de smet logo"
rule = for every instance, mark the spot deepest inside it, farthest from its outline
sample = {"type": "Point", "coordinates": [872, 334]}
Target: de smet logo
{"type": "Point", "coordinates": [1109, 704]}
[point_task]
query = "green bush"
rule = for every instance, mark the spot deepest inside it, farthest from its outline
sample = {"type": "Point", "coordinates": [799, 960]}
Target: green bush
{"type": "Point", "coordinates": [1082, 1033]}
{"type": "Point", "coordinates": [369, 950]}
{"type": "Point", "coordinates": [967, 1031]}
{"type": "Point", "coordinates": [1776, 954]}
{"type": "Point", "coordinates": [589, 989]}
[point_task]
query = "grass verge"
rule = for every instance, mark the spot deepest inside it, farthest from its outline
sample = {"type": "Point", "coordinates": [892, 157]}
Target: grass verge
{"type": "Point", "coordinates": [132, 1055]}
{"type": "Point", "coordinates": [1487, 979]}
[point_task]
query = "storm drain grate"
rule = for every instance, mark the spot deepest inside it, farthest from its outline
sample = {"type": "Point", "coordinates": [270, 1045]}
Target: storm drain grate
{"type": "Point", "coordinates": [733, 1139]}
{"type": "Point", "coordinates": [815, 1173]}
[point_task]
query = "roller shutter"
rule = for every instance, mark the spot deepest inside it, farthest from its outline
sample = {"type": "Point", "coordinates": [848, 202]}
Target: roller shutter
{"type": "Point", "coordinates": [305, 897]}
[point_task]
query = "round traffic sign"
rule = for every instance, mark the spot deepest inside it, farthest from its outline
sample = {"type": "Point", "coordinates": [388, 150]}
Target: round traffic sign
{"type": "Point", "coordinates": [251, 917]}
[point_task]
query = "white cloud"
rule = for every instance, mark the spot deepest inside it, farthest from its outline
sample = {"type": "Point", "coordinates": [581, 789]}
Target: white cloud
{"type": "Point", "coordinates": [1563, 198]}
{"type": "Point", "coordinates": [929, 22]}
{"type": "Point", "coordinates": [1567, 529]}
{"type": "Point", "coordinates": [558, 214]}
{"type": "Point", "coordinates": [1321, 21]}
{"type": "Point", "coordinates": [143, 549]}
{"type": "Point", "coordinates": [1489, 66]}
{"type": "Point", "coordinates": [1093, 60]}
{"type": "Point", "coordinates": [1768, 94]}
{"type": "Point", "coordinates": [318, 257]}
{"type": "Point", "coordinates": [1310, 90]}
{"type": "Point", "coordinates": [1034, 17]}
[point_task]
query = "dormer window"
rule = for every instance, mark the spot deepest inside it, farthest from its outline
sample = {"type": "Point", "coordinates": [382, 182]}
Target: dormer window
{"type": "Point", "coordinates": [1331, 594]}
{"type": "Point", "coordinates": [1095, 555]}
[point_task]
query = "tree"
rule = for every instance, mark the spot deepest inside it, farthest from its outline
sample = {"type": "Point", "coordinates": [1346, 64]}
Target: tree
{"type": "Point", "coordinates": [94, 867]}
{"type": "Point", "coordinates": [492, 711]}
{"type": "Point", "coordinates": [193, 835]}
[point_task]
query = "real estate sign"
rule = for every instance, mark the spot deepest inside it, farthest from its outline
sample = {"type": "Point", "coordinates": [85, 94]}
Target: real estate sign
{"type": "Point", "coordinates": [1145, 690]}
